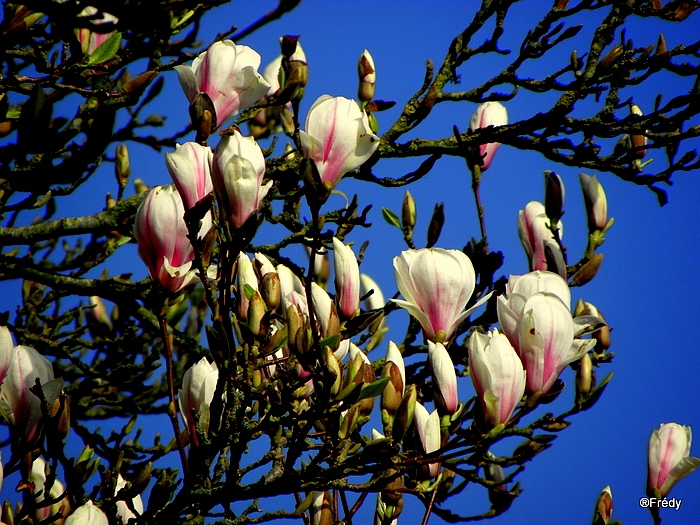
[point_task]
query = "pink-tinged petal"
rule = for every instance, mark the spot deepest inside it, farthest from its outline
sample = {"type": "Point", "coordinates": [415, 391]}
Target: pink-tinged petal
{"type": "Point", "coordinates": [347, 279]}
{"type": "Point", "coordinates": [26, 367]}
{"type": "Point", "coordinates": [546, 335]}
{"type": "Point", "coordinates": [7, 349]}
{"type": "Point", "coordinates": [228, 74]}
{"type": "Point", "coordinates": [541, 281]}
{"type": "Point", "coordinates": [161, 233]}
{"type": "Point", "coordinates": [444, 374]}
{"type": "Point", "coordinates": [428, 426]}
{"type": "Point", "coordinates": [190, 167]}
{"type": "Point", "coordinates": [669, 458]}
{"type": "Point", "coordinates": [497, 374]}
{"type": "Point", "coordinates": [534, 232]}
{"type": "Point", "coordinates": [322, 307]}
{"type": "Point", "coordinates": [343, 139]}
{"type": "Point", "coordinates": [188, 81]}
{"type": "Point", "coordinates": [438, 283]}
{"type": "Point", "coordinates": [488, 114]}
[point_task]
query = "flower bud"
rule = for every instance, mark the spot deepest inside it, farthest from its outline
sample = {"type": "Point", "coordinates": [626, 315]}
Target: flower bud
{"type": "Point", "coordinates": [428, 427]}
{"type": "Point", "coordinates": [392, 395]}
{"type": "Point", "coordinates": [270, 290]}
{"type": "Point", "coordinates": [669, 458]}
{"type": "Point", "coordinates": [122, 167]}
{"type": "Point", "coordinates": [408, 213]}
{"type": "Point", "coordinates": [554, 196]}
{"type": "Point", "coordinates": [444, 376]}
{"type": "Point", "coordinates": [595, 201]}
{"type": "Point", "coordinates": [488, 114]}
{"type": "Point", "coordinates": [347, 279]}
{"type": "Point", "coordinates": [435, 226]}
{"type": "Point", "coordinates": [584, 378]}
{"type": "Point", "coordinates": [638, 141]}
{"type": "Point", "coordinates": [405, 414]}
{"type": "Point", "coordinates": [588, 271]}
{"type": "Point", "coordinates": [368, 77]}
{"type": "Point", "coordinates": [603, 507]}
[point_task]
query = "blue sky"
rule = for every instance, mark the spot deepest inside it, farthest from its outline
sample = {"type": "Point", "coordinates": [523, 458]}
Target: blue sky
{"type": "Point", "coordinates": [646, 288]}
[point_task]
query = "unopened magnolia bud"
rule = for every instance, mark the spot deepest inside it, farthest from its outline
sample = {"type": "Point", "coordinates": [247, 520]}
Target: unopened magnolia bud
{"type": "Point", "coordinates": [140, 186]}
{"type": "Point", "coordinates": [588, 271]}
{"type": "Point", "coordinates": [256, 311]}
{"type": "Point", "coordinates": [661, 48]}
{"type": "Point", "coordinates": [436, 223]}
{"type": "Point", "coordinates": [368, 77]}
{"type": "Point", "coordinates": [603, 507]}
{"type": "Point", "coordinates": [554, 196]}
{"type": "Point", "coordinates": [8, 516]}
{"type": "Point", "coordinates": [595, 201]}
{"type": "Point", "coordinates": [408, 213]}
{"type": "Point", "coordinates": [393, 392]}
{"type": "Point", "coordinates": [405, 413]}
{"type": "Point", "coordinates": [638, 141]}
{"type": "Point", "coordinates": [270, 290]}
{"type": "Point", "coordinates": [561, 4]}
{"type": "Point", "coordinates": [610, 58]}
{"type": "Point", "coordinates": [122, 168]}
{"type": "Point", "coordinates": [584, 377]}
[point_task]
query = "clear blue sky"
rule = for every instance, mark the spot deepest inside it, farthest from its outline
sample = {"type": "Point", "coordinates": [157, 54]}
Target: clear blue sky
{"type": "Point", "coordinates": [646, 288]}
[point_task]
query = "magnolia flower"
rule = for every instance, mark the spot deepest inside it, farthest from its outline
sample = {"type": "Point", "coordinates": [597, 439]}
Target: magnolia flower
{"type": "Point", "coordinates": [545, 341]}
{"type": "Point", "coordinates": [436, 285]}
{"type": "Point", "coordinates": [190, 167]}
{"type": "Point", "coordinates": [238, 170]}
{"type": "Point", "coordinates": [519, 289]}
{"type": "Point", "coordinates": [124, 513]}
{"type": "Point", "coordinates": [161, 233]}
{"type": "Point", "coordinates": [87, 514]}
{"type": "Point", "coordinates": [534, 233]}
{"type": "Point", "coordinates": [23, 407]}
{"type": "Point", "coordinates": [91, 40]}
{"type": "Point", "coordinates": [196, 395]}
{"type": "Point", "coordinates": [669, 458]}
{"type": "Point", "coordinates": [595, 201]}
{"type": "Point", "coordinates": [488, 114]}
{"type": "Point", "coordinates": [347, 279]}
{"type": "Point", "coordinates": [7, 348]}
{"type": "Point", "coordinates": [337, 138]}
{"type": "Point", "coordinates": [497, 374]}
{"type": "Point", "coordinates": [228, 74]}
{"type": "Point", "coordinates": [428, 427]}
{"type": "Point", "coordinates": [445, 376]}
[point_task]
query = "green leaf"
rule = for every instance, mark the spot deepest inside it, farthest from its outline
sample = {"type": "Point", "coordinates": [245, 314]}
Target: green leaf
{"type": "Point", "coordinates": [52, 389]}
{"type": "Point", "coordinates": [107, 50]}
{"type": "Point", "coordinates": [249, 291]}
{"type": "Point", "coordinates": [331, 341]}
{"type": "Point", "coordinates": [374, 389]}
{"type": "Point", "coordinates": [391, 217]}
